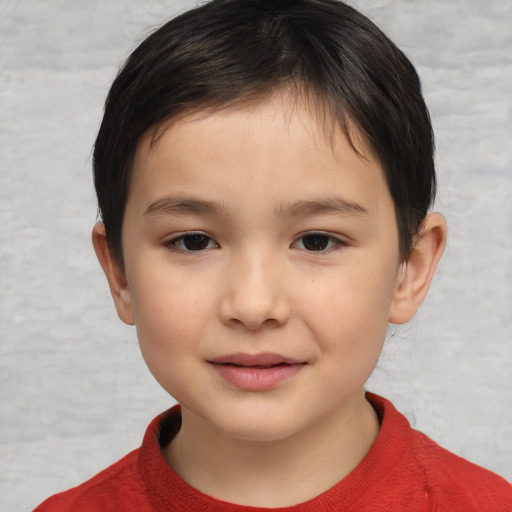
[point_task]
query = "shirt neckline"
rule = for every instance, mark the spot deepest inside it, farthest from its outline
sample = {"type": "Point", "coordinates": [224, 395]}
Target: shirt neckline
{"type": "Point", "coordinates": [168, 490]}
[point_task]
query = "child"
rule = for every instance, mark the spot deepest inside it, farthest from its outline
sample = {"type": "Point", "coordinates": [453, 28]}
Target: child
{"type": "Point", "coordinates": [264, 172]}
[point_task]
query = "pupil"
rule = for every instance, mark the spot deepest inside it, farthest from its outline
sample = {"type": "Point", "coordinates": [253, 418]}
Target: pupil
{"type": "Point", "coordinates": [195, 242]}
{"type": "Point", "coordinates": [315, 242]}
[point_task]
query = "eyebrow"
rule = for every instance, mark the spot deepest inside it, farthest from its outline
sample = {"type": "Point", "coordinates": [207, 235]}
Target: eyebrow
{"type": "Point", "coordinates": [183, 206]}
{"type": "Point", "coordinates": [330, 205]}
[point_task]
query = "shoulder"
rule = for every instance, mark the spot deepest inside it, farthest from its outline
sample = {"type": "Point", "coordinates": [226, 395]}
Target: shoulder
{"type": "Point", "coordinates": [115, 488]}
{"type": "Point", "coordinates": [131, 483]}
{"type": "Point", "coordinates": [420, 465]}
{"type": "Point", "coordinates": [453, 479]}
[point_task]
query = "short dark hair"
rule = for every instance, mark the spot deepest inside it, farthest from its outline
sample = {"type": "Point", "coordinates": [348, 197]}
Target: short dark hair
{"type": "Point", "coordinates": [227, 51]}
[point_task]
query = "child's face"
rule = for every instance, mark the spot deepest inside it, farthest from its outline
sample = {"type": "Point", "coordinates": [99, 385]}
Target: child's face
{"type": "Point", "coordinates": [262, 267]}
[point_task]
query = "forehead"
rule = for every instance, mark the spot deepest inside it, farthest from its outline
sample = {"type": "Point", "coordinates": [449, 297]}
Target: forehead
{"type": "Point", "coordinates": [279, 138]}
{"type": "Point", "coordinates": [289, 102]}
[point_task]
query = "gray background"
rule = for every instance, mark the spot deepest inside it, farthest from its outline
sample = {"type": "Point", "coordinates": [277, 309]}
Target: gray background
{"type": "Point", "coordinates": [74, 392]}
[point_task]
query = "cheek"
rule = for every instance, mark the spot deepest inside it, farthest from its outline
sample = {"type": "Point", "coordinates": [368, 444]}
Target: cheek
{"type": "Point", "coordinates": [170, 330]}
{"type": "Point", "coordinates": [350, 310]}
{"type": "Point", "coordinates": [170, 316]}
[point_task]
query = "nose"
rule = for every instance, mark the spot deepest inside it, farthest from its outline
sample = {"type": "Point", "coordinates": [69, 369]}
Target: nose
{"type": "Point", "coordinates": [255, 295]}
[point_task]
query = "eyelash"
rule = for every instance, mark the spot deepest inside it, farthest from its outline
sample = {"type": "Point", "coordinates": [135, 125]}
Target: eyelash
{"type": "Point", "coordinates": [173, 243]}
{"type": "Point", "coordinates": [331, 241]}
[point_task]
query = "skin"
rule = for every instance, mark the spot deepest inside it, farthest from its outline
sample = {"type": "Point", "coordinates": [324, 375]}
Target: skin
{"type": "Point", "coordinates": [260, 188]}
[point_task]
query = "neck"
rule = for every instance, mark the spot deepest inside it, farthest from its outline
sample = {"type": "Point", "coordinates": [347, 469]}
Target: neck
{"type": "Point", "coordinates": [290, 471]}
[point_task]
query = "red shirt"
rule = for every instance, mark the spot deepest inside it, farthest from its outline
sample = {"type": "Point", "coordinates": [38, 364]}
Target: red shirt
{"type": "Point", "coordinates": [403, 471]}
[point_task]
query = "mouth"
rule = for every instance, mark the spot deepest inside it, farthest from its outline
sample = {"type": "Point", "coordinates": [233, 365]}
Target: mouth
{"type": "Point", "coordinates": [259, 372]}
{"type": "Point", "coordinates": [255, 366]}
{"type": "Point", "coordinates": [263, 360]}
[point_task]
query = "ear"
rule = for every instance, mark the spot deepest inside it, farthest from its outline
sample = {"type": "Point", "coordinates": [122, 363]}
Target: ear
{"type": "Point", "coordinates": [415, 274]}
{"type": "Point", "coordinates": [115, 275]}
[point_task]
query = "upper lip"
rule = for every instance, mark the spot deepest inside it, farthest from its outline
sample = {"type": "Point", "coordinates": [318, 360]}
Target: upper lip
{"type": "Point", "coordinates": [262, 359]}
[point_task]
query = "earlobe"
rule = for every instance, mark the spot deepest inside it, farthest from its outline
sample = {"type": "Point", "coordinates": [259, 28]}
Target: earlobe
{"type": "Point", "coordinates": [114, 273]}
{"type": "Point", "coordinates": [415, 275]}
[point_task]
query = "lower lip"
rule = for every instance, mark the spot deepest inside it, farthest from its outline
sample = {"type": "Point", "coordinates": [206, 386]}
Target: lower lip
{"type": "Point", "coordinates": [250, 378]}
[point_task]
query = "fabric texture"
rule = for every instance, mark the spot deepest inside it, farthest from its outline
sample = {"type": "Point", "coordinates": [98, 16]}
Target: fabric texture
{"type": "Point", "coordinates": [403, 471]}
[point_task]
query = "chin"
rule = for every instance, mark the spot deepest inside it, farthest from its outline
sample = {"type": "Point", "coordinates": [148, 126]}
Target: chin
{"type": "Point", "coordinates": [259, 432]}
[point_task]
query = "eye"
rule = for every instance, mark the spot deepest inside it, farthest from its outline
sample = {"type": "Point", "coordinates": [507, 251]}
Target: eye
{"type": "Point", "coordinates": [317, 242]}
{"type": "Point", "coordinates": [192, 242]}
